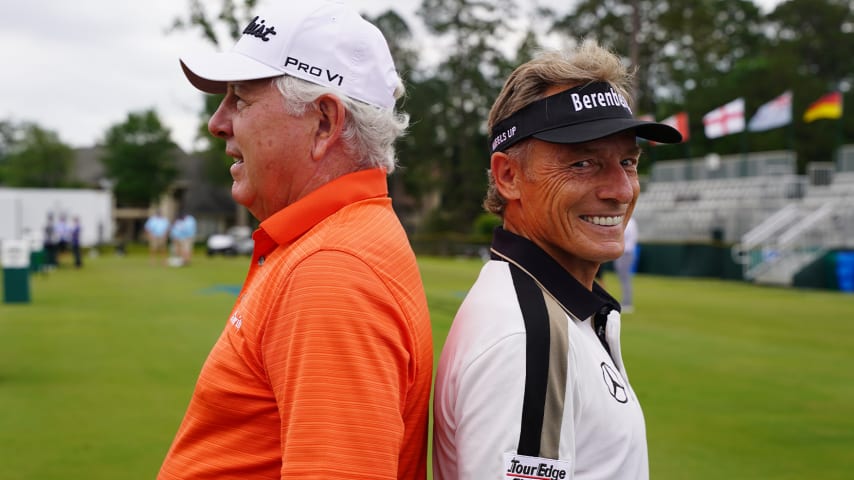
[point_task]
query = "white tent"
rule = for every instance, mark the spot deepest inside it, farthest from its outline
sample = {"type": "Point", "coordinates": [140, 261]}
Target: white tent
{"type": "Point", "coordinates": [24, 213]}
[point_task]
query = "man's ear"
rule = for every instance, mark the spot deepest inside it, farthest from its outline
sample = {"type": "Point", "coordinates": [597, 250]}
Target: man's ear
{"type": "Point", "coordinates": [330, 123]}
{"type": "Point", "coordinates": [507, 174]}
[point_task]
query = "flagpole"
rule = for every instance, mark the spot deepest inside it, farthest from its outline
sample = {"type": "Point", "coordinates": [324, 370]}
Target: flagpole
{"type": "Point", "coordinates": [790, 136]}
{"type": "Point", "coordinates": [841, 139]}
{"type": "Point", "coordinates": [744, 140]}
{"type": "Point", "coordinates": [790, 130]}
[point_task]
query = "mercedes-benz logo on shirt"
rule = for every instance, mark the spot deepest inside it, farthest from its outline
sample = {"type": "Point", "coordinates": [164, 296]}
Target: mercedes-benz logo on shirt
{"type": "Point", "coordinates": [612, 381]}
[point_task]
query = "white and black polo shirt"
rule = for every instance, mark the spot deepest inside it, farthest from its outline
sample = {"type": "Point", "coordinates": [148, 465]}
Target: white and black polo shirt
{"type": "Point", "coordinates": [531, 382]}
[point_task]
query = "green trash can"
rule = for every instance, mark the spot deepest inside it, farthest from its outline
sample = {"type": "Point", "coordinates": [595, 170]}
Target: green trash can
{"type": "Point", "coordinates": [15, 258]}
{"type": "Point", "coordinates": [36, 261]}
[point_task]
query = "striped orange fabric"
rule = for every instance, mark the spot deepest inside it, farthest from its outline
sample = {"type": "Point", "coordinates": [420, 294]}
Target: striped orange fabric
{"type": "Point", "coordinates": [324, 368]}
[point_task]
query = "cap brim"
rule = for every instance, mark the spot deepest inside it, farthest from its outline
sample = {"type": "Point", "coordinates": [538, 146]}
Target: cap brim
{"type": "Point", "coordinates": [211, 72]}
{"type": "Point", "coordinates": [588, 131]}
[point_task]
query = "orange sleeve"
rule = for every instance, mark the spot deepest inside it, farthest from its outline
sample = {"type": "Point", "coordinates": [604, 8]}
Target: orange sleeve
{"type": "Point", "coordinates": [337, 354]}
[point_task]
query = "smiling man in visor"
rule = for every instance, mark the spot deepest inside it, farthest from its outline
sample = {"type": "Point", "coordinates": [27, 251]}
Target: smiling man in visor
{"type": "Point", "coordinates": [531, 382]}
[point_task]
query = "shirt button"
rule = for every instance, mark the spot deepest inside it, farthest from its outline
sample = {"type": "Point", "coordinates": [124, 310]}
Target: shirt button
{"type": "Point", "coordinates": [261, 260]}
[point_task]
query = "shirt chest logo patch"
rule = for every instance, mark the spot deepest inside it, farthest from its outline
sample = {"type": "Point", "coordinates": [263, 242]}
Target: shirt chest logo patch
{"type": "Point", "coordinates": [614, 383]}
{"type": "Point", "coordinates": [521, 467]}
{"type": "Point", "coordinates": [236, 321]}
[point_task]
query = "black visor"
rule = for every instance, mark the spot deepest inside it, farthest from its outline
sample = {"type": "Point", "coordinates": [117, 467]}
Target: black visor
{"type": "Point", "coordinates": [577, 115]}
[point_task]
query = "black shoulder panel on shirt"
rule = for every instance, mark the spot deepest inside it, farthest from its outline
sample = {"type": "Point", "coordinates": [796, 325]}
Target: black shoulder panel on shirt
{"type": "Point", "coordinates": [537, 337]}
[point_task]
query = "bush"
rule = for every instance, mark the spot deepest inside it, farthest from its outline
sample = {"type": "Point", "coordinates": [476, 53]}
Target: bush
{"type": "Point", "coordinates": [485, 224]}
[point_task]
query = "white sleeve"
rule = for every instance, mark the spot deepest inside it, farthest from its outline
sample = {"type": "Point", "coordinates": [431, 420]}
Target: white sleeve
{"type": "Point", "coordinates": [483, 403]}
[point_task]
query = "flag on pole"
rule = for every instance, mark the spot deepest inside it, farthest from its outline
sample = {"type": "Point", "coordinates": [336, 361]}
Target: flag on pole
{"type": "Point", "coordinates": [828, 106]}
{"type": "Point", "coordinates": [679, 121]}
{"type": "Point", "coordinates": [774, 114]}
{"type": "Point", "coordinates": [725, 120]}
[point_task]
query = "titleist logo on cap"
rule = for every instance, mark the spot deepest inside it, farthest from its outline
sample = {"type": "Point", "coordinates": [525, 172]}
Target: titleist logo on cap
{"type": "Point", "coordinates": [258, 29]}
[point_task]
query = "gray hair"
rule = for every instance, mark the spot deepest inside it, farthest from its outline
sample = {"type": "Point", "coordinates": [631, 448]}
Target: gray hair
{"type": "Point", "coordinates": [587, 62]}
{"type": "Point", "coordinates": [369, 132]}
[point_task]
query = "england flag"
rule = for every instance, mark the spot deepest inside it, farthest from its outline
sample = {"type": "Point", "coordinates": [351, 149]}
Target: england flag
{"type": "Point", "coordinates": [725, 120]}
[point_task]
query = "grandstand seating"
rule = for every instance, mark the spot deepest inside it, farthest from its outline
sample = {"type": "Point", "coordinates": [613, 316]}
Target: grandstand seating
{"type": "Point", "coordinates": [777, 220]}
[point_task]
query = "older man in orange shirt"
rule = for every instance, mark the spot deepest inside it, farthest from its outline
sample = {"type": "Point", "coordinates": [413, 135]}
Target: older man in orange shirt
{"type": "Point", "coordinates": [324, 367]}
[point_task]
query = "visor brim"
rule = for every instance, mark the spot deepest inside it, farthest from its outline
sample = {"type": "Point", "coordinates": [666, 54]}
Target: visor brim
{"type": "Point", "coordinates": [596, 129]}
{"type": "Point", "coordinates": [211, 73]}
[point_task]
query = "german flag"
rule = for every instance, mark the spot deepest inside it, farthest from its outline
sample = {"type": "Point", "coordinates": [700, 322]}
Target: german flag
{"type": "Point", "coordinates": [828, 106]}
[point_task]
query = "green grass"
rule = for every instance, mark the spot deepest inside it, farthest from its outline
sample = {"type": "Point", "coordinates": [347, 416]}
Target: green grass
{"type": "Point", "coordinates": [737, 381]}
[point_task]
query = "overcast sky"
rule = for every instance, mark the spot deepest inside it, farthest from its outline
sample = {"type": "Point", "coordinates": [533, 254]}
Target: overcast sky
{"type": "Point", "coordinates": [79, 67]}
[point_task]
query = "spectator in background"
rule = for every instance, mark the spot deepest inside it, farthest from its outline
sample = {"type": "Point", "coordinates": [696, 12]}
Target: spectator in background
{"type": "Point", "coordinates": [324, 367]}
{"type": "Point", "coordinates": [176, 233]}
{"type": "Point", "coordinates": [51, 242]}
{"type": "Point", "coordinates": [189, 238]}
{"type": "Point", "coordinates": [182, 234]}
{"type": "Point", "coordinates": [62, 231]}
{"type": "Point", "coordinates": [74, 241]}
{"type": "Point", "coordinates": [157, 231]}
{"type": "Point", "coordinates": [624, 266]}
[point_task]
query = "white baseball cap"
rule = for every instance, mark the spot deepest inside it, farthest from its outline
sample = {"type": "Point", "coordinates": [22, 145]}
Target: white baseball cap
{"type": "Point", "coordinates": [323, 42]}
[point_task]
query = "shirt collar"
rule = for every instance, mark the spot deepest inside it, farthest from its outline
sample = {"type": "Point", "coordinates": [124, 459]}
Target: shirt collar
{"type": "Point", "coordinates": [562, 286]}
{"type": "Point", "coordinates": [296, 219]}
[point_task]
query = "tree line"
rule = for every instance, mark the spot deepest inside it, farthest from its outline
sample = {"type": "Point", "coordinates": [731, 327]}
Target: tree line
{"type": "Point", "coordinates": [688, 55]}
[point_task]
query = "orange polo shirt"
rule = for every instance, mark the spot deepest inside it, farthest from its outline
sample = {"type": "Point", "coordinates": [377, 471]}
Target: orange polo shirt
{"type": "Point", "coordinates": [324, 367]}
